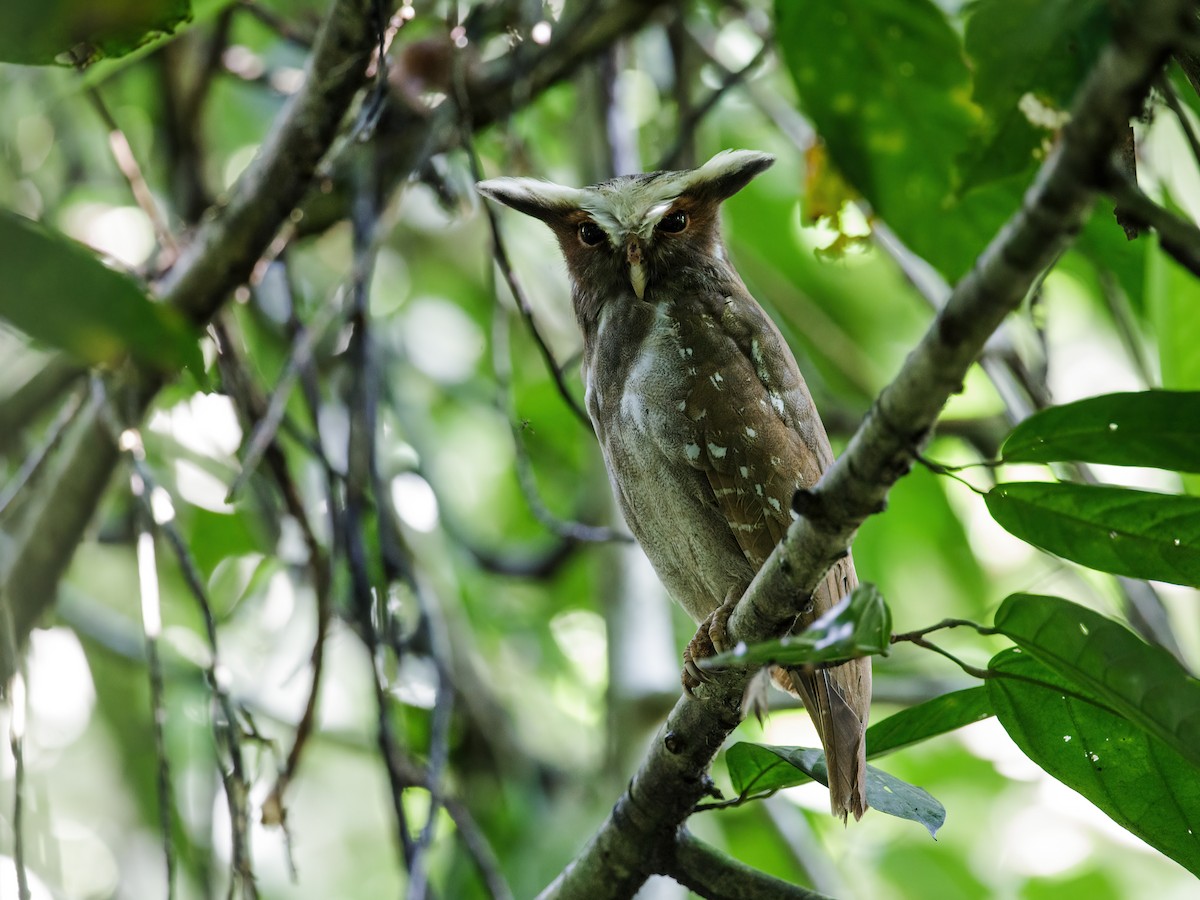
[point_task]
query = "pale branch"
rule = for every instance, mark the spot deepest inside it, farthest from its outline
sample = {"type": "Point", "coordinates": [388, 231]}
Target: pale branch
{"type": "Point", "coordinates": [672, 777]}
{"type": "Point", "coordinates": [222, 256]}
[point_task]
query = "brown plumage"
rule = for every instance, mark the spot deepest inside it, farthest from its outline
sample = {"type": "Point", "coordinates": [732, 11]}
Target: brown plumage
{"type": "Point", "coordinates": [706, 425]}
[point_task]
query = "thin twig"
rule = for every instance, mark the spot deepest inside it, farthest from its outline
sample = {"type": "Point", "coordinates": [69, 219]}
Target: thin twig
{"type": "Point", "coordinates": [299, 357]}
{"type": "Point", "coordinates": [929, 645]}
{"type": "Point", "coordinates": [362, 402]}
{"type": "Point", "coordinates": [124, 157]}
{"type": "Point", "coordinates": [571, 530]}
{"type": "Point", "coordinates": [151, 629]}
{"type": "Point", "coordinates": [941, 626]}
{"type": "Point", "coordinates": [695, 116]}
{"type": "Point", "coordinates": [225, 726]}
{"type": "Point", "coordinates": [500, 254]}
{"type": "Point", "coordinates": [951, 471]}
{"type": "Point", "coordinates": [1185, 121]}
{"type": "Point", "coordinates": [14, 692]}
{"type": "Point", "coordinates": [300, 35]}
{"type": "Point", "coordinates": [16, 744]}
{"type": "Point", "coordinates": [251, 406]}
{"type": "Point", "coordinates": [1180, 238]}
{"type": "Point", "coordinates": [36, 460]}
{"type": "Point", "coordinates": [1127, 328]}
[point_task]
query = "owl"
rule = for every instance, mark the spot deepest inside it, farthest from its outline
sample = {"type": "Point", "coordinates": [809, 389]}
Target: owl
{"type": "Point", "coordinates": [705, 423]}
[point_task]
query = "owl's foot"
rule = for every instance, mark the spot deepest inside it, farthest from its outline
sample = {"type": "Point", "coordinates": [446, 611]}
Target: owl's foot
{"type": "Point", "coordinates": [708, 641]}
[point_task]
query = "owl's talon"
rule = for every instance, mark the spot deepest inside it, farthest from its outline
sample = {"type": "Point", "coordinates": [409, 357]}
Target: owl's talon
{"type": "Point", "coordinates": [708, 641]}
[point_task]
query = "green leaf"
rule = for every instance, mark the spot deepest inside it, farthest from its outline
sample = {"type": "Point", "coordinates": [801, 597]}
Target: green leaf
{"type": "Point", "coordinates": [1136, 533]}
{"type": "Point", "coordinates": [57, 291]}
{"type": "Point", "coordinates": [859, 625]}
{"type": "Point", "coordinates": [756, 768]}
{"type": "Point", "coordinates": [80, 32]}
{"type": "Point", "coordinates": [1026, 53]}
{"type": "Point", "coordinates": [927, 720]}
{"type": "Point", "coordinates": [1140, 782]}
{"type": "Point", "coordinates": [1141, 428]}
{"type": "Point", "coordinates": [887, 87]}
{"type": "Point", "coordinates": [1143, 683]}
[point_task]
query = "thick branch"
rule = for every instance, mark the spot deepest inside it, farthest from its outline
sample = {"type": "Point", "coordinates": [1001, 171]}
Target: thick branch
{"type": "Point", "coordinates": [672, 776]}
{"type": "Point", "coordinates": [221, 257]}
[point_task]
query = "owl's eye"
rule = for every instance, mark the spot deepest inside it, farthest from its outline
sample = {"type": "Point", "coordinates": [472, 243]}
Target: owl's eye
{"type": "Point", "coordinates": [673, 223]}
{"type": "Point", "coordinates": [591, 233]}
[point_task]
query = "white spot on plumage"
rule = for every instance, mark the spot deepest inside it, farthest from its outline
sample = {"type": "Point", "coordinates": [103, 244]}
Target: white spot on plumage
{"type": "Point", "coordinates": [777, 402]}
{"type": "Point", "coordinates": [681, 405]}
{"type": "Point", "coordinates": [717, 452]}
{"type": "Point", "coordinates": [692, 451]}
{"type": "Point", "coordinates": [758, 489]}
{"type": "Point", "coordinates": [774, 504]}
{"type": "Point", "coordinates": [750, 432]}
{"type": "Point", "coordinates": [744, 471]}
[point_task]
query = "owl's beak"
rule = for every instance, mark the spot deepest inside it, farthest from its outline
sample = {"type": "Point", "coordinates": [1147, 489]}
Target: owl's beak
{"type": "Point", "coordinates": [637, 271]}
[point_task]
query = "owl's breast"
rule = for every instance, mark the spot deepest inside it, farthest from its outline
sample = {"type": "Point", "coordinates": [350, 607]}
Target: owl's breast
{"type": "Point", "coordinates": [638, 386]}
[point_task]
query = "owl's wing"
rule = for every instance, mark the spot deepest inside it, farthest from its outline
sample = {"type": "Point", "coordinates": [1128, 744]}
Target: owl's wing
{"type": "Point", "coordinates": [760, 440]}
{"type": "Point", "coordinates": [758, 435]}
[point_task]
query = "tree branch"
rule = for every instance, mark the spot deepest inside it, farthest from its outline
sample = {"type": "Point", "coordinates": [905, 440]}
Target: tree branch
{"type": "Point", "coordinates": [672, 777]}
{"type": "Point", "coordinates": [1180, 238]}
{"type": "Point", "coordinates": [717, 876]}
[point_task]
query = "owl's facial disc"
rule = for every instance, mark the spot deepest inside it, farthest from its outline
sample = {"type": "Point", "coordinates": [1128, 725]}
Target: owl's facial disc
{"type": "Point", "coordinates": [637, 269]}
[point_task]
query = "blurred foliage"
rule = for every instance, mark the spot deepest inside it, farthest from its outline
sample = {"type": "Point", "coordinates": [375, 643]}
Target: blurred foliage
{"type": "Point", "coordinates": [560, 651]}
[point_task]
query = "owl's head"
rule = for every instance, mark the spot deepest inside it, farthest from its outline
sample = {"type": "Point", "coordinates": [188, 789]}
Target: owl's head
{"type": "Point", "coordinates": [635, 232]}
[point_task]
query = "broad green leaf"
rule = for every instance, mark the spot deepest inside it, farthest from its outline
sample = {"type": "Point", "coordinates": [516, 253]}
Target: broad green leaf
{"type": "Point", "coordinates": [887, 87]}
{"type": "Point", "coordinates": [1143, 683]}
{"type": "Point", "coordinates": [83, 31]}
{"type": "Point", "coordinates": [57, 291]}
{"type": "Point", "coordinates": [1141, 428]}
{"type": "Point", "coordinates": [1136, 533]}
{"type": "Point", "coordinates": [756, 768]}
{"type": "Point", "coordinates": [1029, 57]}
{"type": "Point", "coordinates": [927, 720]}
{"type": "Point", "coordinates": [1140, 782]}
{"type": "Point", "coordinates": [859, 625]}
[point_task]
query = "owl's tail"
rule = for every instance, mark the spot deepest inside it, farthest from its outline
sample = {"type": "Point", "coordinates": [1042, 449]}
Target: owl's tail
{"type": "Point", "coordinates": [837, 700]}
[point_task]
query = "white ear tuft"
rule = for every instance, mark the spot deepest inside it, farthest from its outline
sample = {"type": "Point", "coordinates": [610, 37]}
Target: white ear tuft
{"type": "Point", "coordinates": [543, 200]}
{"type": "Point", "coordinates": [732, 162]}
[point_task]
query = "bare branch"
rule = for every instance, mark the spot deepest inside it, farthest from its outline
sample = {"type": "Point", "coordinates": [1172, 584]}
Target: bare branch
{"type": "Point", "coordinates": [1179, 237]}
{"type": "Point", "coordinates": [717, 876]}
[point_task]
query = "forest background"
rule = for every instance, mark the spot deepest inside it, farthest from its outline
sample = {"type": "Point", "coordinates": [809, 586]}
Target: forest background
{"type": "Point", "coordinates": [311, 583]}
